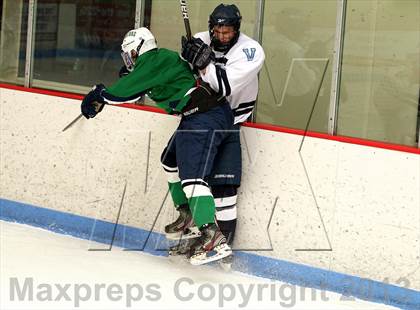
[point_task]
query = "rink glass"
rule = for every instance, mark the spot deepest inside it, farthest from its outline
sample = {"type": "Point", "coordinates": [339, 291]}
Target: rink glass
{"type": "Point", "coordinates": [381, 71]}
{"type": "Point", "coordinates": [298, 39]}
{"type": "Point", "coordinates": [13, 33]}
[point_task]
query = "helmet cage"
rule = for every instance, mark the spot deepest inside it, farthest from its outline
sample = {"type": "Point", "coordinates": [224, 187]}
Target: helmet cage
{"type": "Point", "coordinates": [128, 58]}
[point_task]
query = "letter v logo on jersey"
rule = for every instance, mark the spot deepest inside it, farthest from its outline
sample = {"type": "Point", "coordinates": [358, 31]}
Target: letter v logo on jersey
{"type": "Point", "coordinates": [250, 53]}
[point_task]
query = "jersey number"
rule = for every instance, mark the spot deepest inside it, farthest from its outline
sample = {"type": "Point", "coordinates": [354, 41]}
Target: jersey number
{"type": "Point", "coordinates": [250, 53]}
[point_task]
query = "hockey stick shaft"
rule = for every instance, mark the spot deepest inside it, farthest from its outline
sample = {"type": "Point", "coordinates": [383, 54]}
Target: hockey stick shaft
{"type": "Point", "coordinates": [184, 11]}
{"type": "Point", "coordinates": [72, 122]}
{"type": "Point", "coordinates": [97, 107]}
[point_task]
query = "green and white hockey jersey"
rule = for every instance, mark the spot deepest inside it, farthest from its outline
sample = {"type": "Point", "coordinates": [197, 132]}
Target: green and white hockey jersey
{"type": "Point", "coordinates": [159, 73]}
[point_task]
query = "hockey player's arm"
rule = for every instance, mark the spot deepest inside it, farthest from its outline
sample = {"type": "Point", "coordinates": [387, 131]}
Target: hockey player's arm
{"type": "Point", "coordinates": [237, 73]}
{"type": "Point", "coordinates": [128, 89]}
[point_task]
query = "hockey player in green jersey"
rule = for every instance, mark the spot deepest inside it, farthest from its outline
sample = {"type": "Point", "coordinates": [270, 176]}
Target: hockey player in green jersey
{"type": "Point", "coordinates": [188, 158]}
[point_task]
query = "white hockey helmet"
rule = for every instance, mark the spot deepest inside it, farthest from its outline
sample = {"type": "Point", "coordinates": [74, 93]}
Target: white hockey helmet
{"type": "Point", "coordinates": [136, 42]}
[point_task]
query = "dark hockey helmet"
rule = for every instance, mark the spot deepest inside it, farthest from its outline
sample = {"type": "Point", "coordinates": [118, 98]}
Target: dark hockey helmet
{"type": "Point", "coordinates": [225, 15]}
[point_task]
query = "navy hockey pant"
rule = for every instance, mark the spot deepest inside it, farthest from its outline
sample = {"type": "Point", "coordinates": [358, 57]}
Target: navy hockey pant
{"type": "Point", "coordinates": [189, 156]}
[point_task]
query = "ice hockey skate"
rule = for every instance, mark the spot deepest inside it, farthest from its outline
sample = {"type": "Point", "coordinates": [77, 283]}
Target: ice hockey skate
{"type": "Point", "coordinates": [183, 247]}
{"type": "Point", "coordinates": [211, 246]}
{"type": "Point", "coordinates": [183, 227]}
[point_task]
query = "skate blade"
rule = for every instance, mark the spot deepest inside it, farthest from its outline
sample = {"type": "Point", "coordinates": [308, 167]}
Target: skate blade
{"type": "Point", "coordinates": [222, 251]}
{"type": "Point", "coordinates": [191, 233]}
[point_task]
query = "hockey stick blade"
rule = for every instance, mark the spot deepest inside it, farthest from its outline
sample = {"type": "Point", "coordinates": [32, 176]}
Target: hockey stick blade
{"type": "Point", "coordinates": [72, 122]}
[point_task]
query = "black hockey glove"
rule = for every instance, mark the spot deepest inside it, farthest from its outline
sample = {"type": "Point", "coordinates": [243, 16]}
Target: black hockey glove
{"type": "Point", "coordinates": [123, 71]}
{"type": "Point", "coordinates": [196, 52]}
{"type": "Point", "coordinates": [203, 98]}
{"type": "Point", "coordinates": [93, 103]}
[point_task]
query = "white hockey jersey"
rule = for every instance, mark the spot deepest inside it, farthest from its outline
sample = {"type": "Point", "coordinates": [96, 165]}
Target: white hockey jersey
{"type": "Point", "coordinates": [236, 76]}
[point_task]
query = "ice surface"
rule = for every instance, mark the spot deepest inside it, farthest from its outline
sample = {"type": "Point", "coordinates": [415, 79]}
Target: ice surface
{"type": "Point", "coordinates": [59, 272]}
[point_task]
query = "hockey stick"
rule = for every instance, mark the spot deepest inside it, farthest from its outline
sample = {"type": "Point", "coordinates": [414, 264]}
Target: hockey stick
{"type": "Point", "coordinates": [184, 11]}
{"type": "Point", "coordinates": [97, 107]}
{"type": "Point", "coordinates": [72, 122]}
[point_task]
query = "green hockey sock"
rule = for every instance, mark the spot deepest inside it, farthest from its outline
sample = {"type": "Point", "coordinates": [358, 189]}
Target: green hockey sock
{"type": "Point", "coordinates": [178, 195]}
{"type": "Point", "coordinates": [202, 209]}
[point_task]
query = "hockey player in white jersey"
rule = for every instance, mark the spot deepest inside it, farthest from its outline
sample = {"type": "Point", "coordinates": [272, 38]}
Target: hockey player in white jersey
{"type": "Point", "coordinates": [238, 60]}
{"type": "Point", "coordinates": [229, 61]}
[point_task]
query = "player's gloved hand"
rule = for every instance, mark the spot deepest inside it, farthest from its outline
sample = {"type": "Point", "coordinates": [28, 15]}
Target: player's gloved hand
{"type": "Point", "coordinates": [203, 98]}
{"type": "Point", "coordinates": [93, 103]}
{"type": "Point", "coordinates": [123, 71]}
{"type": "Point", "coordinates": [196, 52]}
